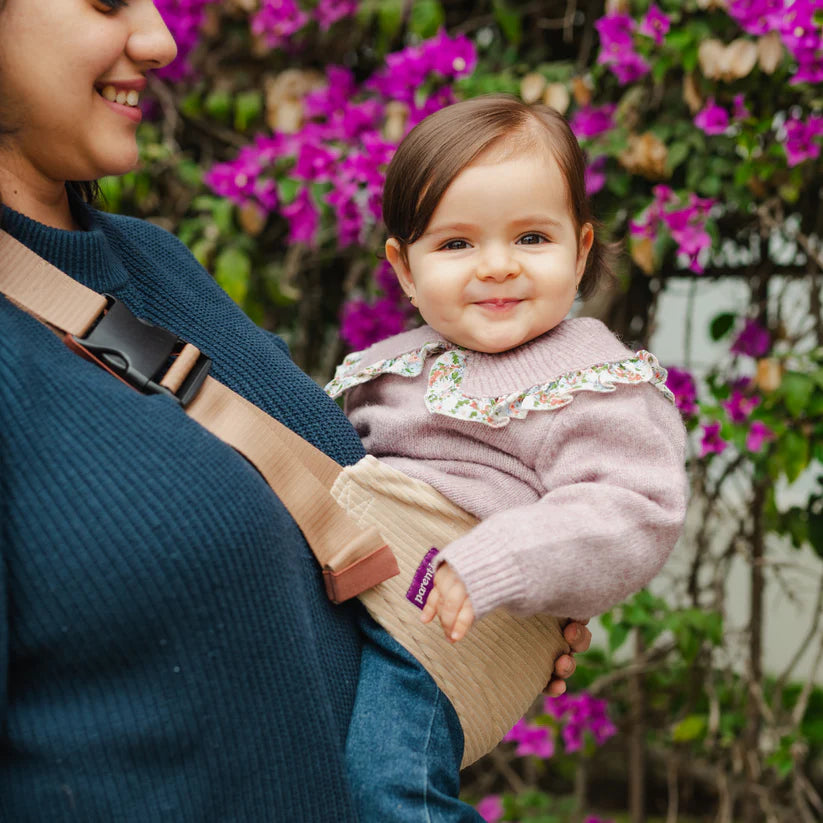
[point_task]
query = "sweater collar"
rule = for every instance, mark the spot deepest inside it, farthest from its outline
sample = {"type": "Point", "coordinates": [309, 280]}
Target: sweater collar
{"type": "Point", "coordinates": [84, 255]}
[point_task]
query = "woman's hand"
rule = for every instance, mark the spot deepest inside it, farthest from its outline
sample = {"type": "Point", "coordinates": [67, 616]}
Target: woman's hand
{"type": "Point", "coordinates": [449, 600]}
{"type": "Point", "coordinates": [579, 639]}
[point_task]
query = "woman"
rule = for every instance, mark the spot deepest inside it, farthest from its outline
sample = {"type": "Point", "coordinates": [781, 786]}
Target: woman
{"type": "Point", "coordinates": [167, 651]}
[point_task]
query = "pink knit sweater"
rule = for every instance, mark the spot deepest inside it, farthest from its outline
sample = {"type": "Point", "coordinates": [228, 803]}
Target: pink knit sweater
{"type": "Point", "coordinates": [581, 498]}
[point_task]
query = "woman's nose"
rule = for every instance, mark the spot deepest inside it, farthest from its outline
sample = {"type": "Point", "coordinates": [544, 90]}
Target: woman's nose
{"type": "Point", "coordinates": [498, 263]}
{"type": "Point", "coordinates": [150, 43]}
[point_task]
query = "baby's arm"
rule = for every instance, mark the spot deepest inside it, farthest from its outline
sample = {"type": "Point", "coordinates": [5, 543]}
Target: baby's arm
{"type": "Point", "coordinates": [612, 466]}
{"type": "Point", "coordinates": [449, 600]}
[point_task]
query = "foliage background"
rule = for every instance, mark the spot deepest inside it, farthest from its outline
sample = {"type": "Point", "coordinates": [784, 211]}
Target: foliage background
{"type": "Point", "coordinates": [264, 149]}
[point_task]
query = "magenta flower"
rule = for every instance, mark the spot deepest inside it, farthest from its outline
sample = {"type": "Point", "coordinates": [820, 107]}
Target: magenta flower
{"type": "Point", "coordinates": [801, 135]}
{"type": "Point", "coordinates": [739, 406]}
{"type": "Point", "coordinates": [756, 16]}
{"type": "Point", "coordinates": [687, 228]}
{"type": "Point", "coordinates": [753, 341]}
{"type": "Point", "coordinates": [617, 48]}
{"type": "Point", "coordinates": [578, 714]}
{"type": "Point", "coordinates": [739, 109]}
{"type": "Point", "coordinates": [277, 20]}
{"type": "Point", "coordinates": [590, 121]}
{"type": "Point", "coordinates": [595, 175]}
{"type": "Point", "coordinates": [364, 323]}
{"type": "Point", "coordinates": [490, 808]}
{"type": "Point", "coordinates": [328, 12]}
{"type": "Point", "coordinates": [682, 385]}
{"type": "Point", "coordinates": [759, 433]}
{"type": "Point", "coordinates": [712, 119]}
{"type": "Point", "coordinates": [712, 442]}
{"type": "Point", "coordinates": [531, 740]}
{"type": "Point", "coordinates": [303, 218]}
{"type": "Point", "coordinates": [655, 24]}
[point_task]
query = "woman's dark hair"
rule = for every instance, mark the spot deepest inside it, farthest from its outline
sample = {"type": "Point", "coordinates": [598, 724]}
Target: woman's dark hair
{"type": "Point", "coordinates": [87, 190]}
{"type": "Point", "coordinates": [437, 149]}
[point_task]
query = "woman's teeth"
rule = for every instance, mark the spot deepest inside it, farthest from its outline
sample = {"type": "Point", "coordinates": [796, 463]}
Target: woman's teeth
{"type": "Point", "coordinates": [125, 98]}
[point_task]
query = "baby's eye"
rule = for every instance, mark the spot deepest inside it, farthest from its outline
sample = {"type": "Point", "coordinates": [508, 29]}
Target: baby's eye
{"type": "Point", "coordinates": [109, 6]}
{"type": "Point", "coordinates": [533, 238]}
{"type": "Point", "coordinates": [454, 245]}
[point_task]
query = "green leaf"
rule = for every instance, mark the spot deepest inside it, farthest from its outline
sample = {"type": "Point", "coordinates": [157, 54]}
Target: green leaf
{"type": "Point", "coordinates": [232, 270]}
{"type": "Point", "coordinates": [689, 728]}
{"type": "Point", "coordinates": [794, 449]}
{"type": "Point", "coordinates": [678, 152]}
{"type": "Point", "coordinates": [796, 389]}
{"type": "Point", "coordinates": [617, 636]}
{"type": "Point", "coordinates": [248, 106]}
{"type": "Point", "coordinates": [218, 105]}
{"type": "Point", "coordinates": [721, 325]}
{"type": "Point", "coordinates": [287, 188]}
{"type": "Point", "coordinates": [427, 16]}
{"type": "Point", "coordinates": [509, 21]}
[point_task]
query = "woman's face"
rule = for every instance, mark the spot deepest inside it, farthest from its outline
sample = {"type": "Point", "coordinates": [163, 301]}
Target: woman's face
{"type": "Point", "coordinates": [59, 62]}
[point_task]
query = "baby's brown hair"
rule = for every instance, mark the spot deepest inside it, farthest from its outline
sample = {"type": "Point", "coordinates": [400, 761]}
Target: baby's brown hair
{"type": "Point", "coordinates": [437, 149]}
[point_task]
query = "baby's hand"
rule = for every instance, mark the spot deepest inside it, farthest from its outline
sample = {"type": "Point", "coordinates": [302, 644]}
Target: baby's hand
{"type": "Point", "coordinates": [449, 600]}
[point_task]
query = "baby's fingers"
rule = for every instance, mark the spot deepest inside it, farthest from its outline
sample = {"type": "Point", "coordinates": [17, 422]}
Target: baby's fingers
{"type": "Point", "coordinates": [449, 608]}
{"type": "Point", "coordinates": [463, 622]}
{"type": "Point", "coordinates": [430, 608]}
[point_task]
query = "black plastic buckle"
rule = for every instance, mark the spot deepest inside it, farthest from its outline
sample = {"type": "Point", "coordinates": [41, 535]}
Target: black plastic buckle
{"type": "Point", "coordinates": [139, 352]}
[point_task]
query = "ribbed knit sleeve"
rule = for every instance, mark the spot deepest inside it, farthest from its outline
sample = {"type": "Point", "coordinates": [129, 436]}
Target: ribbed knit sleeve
{"type": "Point", "coordinates": [612, 467]}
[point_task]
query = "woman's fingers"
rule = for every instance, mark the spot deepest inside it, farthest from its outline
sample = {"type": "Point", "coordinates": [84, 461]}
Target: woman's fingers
{"type": "Point", "coordinates": [578, 636]}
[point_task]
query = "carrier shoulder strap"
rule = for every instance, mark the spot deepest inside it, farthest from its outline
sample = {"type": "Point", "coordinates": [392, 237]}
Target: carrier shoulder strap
{"type": "Point", "coordinates": [153, 360]}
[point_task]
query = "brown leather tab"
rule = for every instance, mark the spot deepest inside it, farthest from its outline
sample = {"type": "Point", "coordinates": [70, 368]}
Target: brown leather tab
{"type": "Point", "coordinates": [361, 575]}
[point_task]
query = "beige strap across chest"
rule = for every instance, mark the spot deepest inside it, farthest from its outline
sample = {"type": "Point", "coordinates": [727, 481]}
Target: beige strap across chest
{"type": "Point", "coordinates": [353, 559]}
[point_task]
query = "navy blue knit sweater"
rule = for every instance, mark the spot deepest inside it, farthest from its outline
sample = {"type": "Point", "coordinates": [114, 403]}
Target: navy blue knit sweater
{"type": "Point", "coordinates": [166, 649]}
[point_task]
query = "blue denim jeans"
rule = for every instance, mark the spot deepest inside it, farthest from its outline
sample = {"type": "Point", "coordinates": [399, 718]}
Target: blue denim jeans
{"type": "Point", "coordinates": [405, 743]}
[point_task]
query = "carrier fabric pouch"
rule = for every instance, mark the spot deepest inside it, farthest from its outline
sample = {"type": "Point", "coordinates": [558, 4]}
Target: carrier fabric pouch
{"type": "Point", "coordinates": [493, 675]}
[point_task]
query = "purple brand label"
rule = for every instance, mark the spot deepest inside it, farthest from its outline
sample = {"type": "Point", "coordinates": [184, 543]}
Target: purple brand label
{"type": "Point", "coordinates": [422, 581]}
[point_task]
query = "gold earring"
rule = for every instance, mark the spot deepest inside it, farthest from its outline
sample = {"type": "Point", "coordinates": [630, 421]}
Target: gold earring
{"type": "Point", "coordinates": [412, 299]}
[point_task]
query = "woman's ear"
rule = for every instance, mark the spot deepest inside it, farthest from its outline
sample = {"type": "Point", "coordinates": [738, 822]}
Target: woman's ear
{"type": "Point", "coordinates": [395, 254]}
{"type": "Point", "coordinates": [583, 249]}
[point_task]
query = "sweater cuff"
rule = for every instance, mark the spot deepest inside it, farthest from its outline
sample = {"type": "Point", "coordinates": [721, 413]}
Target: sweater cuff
{"type": "Point", "coordinates": [491, 583]}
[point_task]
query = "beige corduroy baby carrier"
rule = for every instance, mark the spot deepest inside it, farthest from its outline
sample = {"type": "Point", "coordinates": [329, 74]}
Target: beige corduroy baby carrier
{"type": "Point", "coordinates": [493, 674]}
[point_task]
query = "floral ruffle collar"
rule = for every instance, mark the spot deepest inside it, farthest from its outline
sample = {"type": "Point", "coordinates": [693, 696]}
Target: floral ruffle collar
{"type": "Point", "coordinates": [444, 395]}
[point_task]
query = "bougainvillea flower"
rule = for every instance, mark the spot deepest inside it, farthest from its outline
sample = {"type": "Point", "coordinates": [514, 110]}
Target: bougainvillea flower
{"type": "Point", "coordinates": [754, 340]}
{"type": "Point", "coordinates": [364, 322]}
{"type": "Point", "coordinates": [739, 109]}
{"type": "Point", "coordinates": [303, 218]}
{"type": "Point", "coordinates": [328, 12]}
{"type": "Point", "coordinates": [655, 24]}
{"type": "Point", "coordinates": [801, 135]}
{"type": "Point", "coordinates": [490, 808]}
{"type": "Point", "coordinates": [595, 175]}
{"type": "Point", "coordinates": [712, 119]}
{"type": "Point", "coordinates": [712, 442]}
{"type": "Point", "coordinates": [682, 385]}
{"type": "Point", "coordinates": [739, 406]}
{"type": "Point", "coordinates": [277, 20]}
{"type": "Point", "coordinates": [590, 121]}
{"type": "Point", "coordinates": [758, 434]}
{"type": "Point", "coordinates": [531, 740]}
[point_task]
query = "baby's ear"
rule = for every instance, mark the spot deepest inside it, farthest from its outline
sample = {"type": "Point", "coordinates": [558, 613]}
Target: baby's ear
{"type": "Point", "coordinates": [586, 241]}
{"type": "Point", "coordinates": [396, 255]}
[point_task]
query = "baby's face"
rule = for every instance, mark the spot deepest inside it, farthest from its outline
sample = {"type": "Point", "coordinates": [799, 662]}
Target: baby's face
{"type": "Point", "coordinates": [500, 261]}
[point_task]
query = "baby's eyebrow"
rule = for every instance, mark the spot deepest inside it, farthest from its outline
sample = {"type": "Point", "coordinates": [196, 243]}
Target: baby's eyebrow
{"type": "Point", "coordinates": [449, 228]}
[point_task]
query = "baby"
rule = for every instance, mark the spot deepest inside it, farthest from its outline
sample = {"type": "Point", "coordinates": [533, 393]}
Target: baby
{"type": "Point", "coordinates": [562, 441]}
